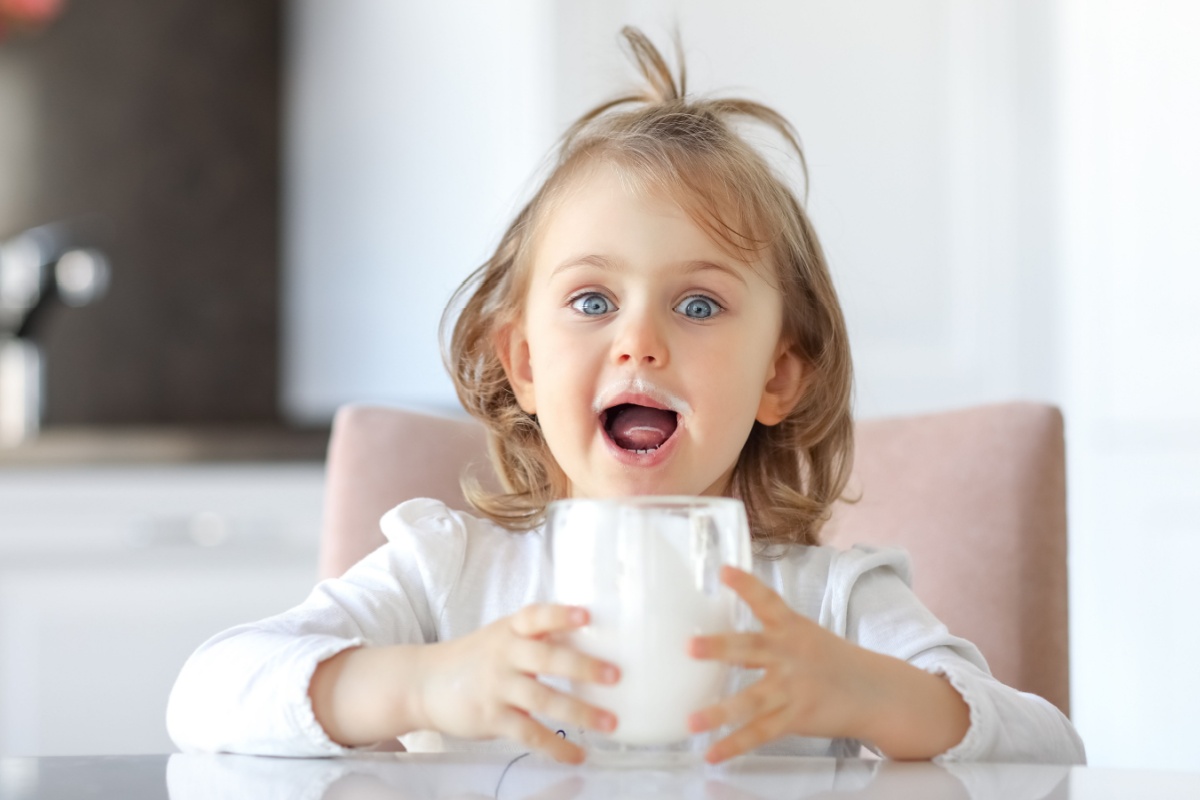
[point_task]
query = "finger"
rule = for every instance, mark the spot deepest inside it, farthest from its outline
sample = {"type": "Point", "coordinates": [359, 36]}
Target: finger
{"type": "Point", "coordinates": [543, 618]}
{"type": "Point", "coordinates": [535, 697]}
{"type": "Point", "coordinates": [540, 657]}
{"type": "Point", "coordinates": [759, 700]}
{"type": "Point", "coordinates": [768, 606]}
{"type": "Point", "coordinates": [748, 649]}
{"type": "Point", "coordinates": [524, 729]}
{"type": "Point", "coordinates": [755, 734]}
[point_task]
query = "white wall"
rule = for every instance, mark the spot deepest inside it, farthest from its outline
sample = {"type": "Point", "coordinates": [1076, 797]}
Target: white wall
{"type": "Point", "coordinates": [927, 190]}
{"type": "Point", "coordinates": [1130, 261]}
{"type": "Point", "coordinates": [1005, 189]}
{"type": "Point", "coordinates": [414, 129]}
{"type": "Point", "coordinates": [411, 128]}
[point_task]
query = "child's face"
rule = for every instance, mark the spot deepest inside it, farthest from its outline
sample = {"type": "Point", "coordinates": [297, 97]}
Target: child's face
{"type": "Point", "coordinates": [626, 308]}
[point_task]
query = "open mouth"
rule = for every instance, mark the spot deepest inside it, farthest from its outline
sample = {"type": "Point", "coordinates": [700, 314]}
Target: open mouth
{"type": "Point", "coordinates": [639, 429]}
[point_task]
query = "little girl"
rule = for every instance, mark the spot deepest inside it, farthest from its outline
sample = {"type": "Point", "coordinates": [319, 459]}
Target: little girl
{"type": "Point", "coordinates": [659, 319]}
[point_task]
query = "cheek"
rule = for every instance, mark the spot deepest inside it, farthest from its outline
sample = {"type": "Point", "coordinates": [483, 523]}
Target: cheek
{"type": "Point", "coordinates": [737, 370]}
{"type": "Point", "coordinates": [556, 355]}
{"type": "Point", "coordinates": [542, 343]}
{"type": "Point", "coordinates": [561, 367]}
{"type": "Point", "coordinates": [741, 358]}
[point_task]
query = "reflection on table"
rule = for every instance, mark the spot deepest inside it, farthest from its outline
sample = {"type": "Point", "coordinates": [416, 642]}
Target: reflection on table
{"type": "Point", "coordinates": [404, 776]}
{"type": "Point", "coordinates": [396, 776]}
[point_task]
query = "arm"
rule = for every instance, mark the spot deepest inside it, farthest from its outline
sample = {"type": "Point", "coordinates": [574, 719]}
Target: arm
{"type": "Point", "coordinates": [919, 716]}
{"type": "Point", "coordinates": [296, 685]}
{"type": "Point", "coordinates": [324, 677]}
{"type": "Point", "coordinates": [246, 690]}
{"type": "Point", "coordinates": [355, 707]}
{"type": "Point", "coordinates": [882, 614]}
{"type": "Point", "coordinates": [358, 662]}
{"type": "Point", "coordinates": [817, 683]}
{"type": "Point", "coordinates": [482, 685]}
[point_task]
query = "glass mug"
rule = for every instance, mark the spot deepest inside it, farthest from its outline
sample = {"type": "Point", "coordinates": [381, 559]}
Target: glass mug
{"type": "Point", "coordinates": [648, 571]}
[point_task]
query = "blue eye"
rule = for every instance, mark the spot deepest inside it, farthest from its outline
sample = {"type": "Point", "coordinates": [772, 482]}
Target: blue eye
{"type": "Point", "coordinates": [592, 304]}
{"type": "Point", "coordinates": [698, 307]}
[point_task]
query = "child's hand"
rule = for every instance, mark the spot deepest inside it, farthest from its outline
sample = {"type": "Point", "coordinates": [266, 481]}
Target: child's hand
{"type": "Point", "coordinates": [485, 684]}
{"type": "Point", "coordinates": [816, 683]}
{"type": "Point", "coordinates": [811, 686]}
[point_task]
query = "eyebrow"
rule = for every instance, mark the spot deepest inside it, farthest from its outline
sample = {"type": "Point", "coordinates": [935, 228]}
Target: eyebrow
{"type": "Point", "coordinates": [601, 262]}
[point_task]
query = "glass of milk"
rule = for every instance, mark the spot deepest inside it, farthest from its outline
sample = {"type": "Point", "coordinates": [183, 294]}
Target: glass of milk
{"type": "Point", "coordinates": [648, 571]}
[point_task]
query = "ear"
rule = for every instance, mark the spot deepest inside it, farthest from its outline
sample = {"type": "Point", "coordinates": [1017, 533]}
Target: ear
{"type": "Point", "coordinates": [785, 386]}
{"type": "Point", "coordinates": [512, 347]}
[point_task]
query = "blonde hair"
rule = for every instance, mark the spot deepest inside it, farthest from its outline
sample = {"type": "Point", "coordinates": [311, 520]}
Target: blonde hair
{"type": "Point", "coordinates": [788, 475]}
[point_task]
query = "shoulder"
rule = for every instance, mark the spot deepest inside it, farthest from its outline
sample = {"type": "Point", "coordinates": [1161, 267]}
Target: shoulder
{"type": "Point", "coordinates": [473, 569]}
{"type": "Point", "coordinates": [820, 581]}
{"type": "Point", "coordinates": [425, 522]}
{"type": "Point", "coordinates": [829, 566]}
{"type": "Point", "coordinates": [429, 522]}
{"type": "Point", "coordinates": [421, 516]}
{"type": "Point", "coordinates": [425, 530]}
{"type": "Point", "coordinates": [427, 536]}
{"type": "Point", "coordinates": [848, 566]}
{"type": "Point", "coordinates": [434, 532]}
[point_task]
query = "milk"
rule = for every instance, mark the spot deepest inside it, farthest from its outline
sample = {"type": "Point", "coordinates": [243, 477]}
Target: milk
{"type": "Point", "coordinates": [649, 578]}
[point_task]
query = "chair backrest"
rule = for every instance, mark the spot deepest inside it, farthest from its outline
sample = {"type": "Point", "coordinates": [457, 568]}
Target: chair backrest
{"type": "Point", "coordinates": [977, 497]}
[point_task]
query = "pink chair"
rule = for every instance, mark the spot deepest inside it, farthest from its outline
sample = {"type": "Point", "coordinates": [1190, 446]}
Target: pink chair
{"type": "Point", "coordinates": [977, 497]}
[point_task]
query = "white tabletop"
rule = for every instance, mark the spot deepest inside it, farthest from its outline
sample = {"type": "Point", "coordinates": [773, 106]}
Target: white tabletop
{"type": "Point", "coordinates": [397, 776]}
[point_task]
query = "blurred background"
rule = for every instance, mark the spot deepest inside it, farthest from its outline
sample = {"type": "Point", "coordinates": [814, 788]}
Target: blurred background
{"type": "Point", "coordinates": [275, 199]}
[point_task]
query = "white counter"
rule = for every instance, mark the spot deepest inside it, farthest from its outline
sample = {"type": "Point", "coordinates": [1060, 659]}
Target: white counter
{"type": "Point", "coordinates": [111, 575]}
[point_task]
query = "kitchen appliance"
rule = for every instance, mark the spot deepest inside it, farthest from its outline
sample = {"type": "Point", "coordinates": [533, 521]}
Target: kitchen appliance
{"type": "Point", "coordinates": [39, 268]}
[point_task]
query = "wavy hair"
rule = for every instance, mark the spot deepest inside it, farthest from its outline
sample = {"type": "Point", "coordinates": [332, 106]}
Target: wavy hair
{"type": "Point", "coordinates": [789, 474]}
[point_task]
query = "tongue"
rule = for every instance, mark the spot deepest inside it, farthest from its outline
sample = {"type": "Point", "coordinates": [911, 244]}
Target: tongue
{"type": "Point", "coordinates": [640, 428]}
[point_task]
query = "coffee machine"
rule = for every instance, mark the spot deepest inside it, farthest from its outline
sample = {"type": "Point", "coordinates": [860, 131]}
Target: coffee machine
{"type": "Point", "coordinates": [50, 265]}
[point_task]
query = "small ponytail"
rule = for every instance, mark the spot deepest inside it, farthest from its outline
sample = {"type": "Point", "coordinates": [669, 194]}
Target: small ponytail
{"type": "Point", "coordinates": [661, 85]}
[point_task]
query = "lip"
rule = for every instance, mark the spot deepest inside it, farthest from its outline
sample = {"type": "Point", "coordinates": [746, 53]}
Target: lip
{"type": "Point", "coordinates": [637, 399]}
{"type": "Point", "coordinates": [642, 392]}
{"type": "Point", "coordinates": [627, 457]}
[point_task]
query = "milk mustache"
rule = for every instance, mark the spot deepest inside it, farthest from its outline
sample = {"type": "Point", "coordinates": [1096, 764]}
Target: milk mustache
{"type": "Point", "coordinates": [647, 569]}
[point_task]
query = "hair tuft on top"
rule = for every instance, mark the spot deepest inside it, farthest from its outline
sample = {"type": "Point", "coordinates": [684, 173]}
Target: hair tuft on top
{"type": "Point", "coordinates": [661, 84]}
{"type": "Point", "coordinates": [661, 140]}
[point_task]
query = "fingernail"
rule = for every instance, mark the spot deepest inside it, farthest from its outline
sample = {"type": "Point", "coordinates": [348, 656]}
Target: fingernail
{"type": "Point", "coordinates": [608, 723]}
{"type": "Point", "coordinates": [696, 723]}
{"type": "Point", "coordinates": [696, 647]}
{"type": "Point", "coordinates": [609, 674]}
{"type": "Point", "coordinates": [578, 616]}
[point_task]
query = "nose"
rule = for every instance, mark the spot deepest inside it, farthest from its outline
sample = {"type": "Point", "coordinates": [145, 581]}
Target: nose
{"type": "Point", "coordinates": [641, 340]}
